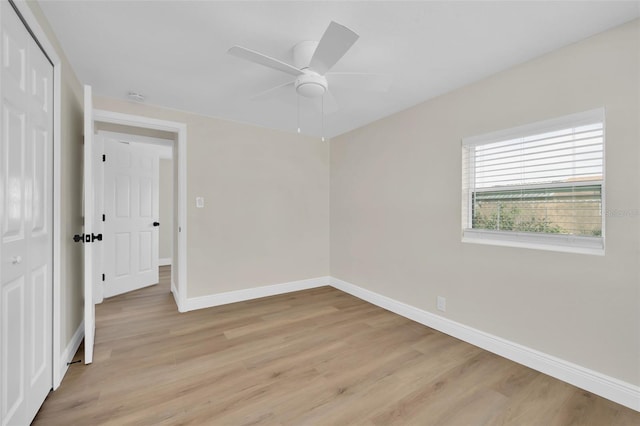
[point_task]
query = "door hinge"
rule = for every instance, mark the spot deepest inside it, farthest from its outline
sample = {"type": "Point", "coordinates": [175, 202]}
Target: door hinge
{"type": "Point", "coordinates": [104, 157]}
{"type": "Point", "coordinates": [103, 277]}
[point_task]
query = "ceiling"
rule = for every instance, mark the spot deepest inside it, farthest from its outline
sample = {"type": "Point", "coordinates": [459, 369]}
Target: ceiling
{"type": "Point", "coordinates": [174, 52]}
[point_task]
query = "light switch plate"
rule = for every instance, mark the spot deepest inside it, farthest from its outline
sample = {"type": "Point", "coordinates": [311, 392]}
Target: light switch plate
{"type": "Point", "coordinates": [200, 202]}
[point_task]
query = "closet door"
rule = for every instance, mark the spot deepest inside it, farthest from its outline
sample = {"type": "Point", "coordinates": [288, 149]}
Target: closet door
{"type": "Point", "coordinates": [26, 142]}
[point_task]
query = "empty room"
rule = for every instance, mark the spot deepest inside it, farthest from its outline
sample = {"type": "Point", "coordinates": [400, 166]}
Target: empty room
{"type": "Point", "coordinates": [319, 212]}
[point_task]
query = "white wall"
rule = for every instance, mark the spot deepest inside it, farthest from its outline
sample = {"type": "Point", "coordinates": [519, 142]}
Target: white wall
{"type": "Point", "coordinates": [396, 206]}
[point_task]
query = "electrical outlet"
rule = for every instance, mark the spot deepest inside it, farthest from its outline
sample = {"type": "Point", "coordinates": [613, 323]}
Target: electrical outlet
{"type": "Point", "coordinates": [442, 304]}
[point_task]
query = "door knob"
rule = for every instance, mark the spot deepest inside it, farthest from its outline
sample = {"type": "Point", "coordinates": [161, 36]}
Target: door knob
{"type": "Point", "coordinates": [16, 260]}
{"type": "Point", "coordinates": [156, 223]}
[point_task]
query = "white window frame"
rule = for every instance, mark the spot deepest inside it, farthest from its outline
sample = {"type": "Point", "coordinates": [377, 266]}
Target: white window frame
{"type": "Point", "coordinates": [530, 240]}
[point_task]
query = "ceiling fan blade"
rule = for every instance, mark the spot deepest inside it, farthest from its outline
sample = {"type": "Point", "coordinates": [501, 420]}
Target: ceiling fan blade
{"type": "Point", "coordinates": [335, 42]}
{"type": "Point", "coordinates": [359, 81]}
{"type": "Point", "coordinates": [270, 93]}
{"type": "Point", "coordinates": [267, 61]}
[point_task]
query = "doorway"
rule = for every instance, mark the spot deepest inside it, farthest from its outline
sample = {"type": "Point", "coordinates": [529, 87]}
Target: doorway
{"type": "Point", "coordinates": [170, 140]}
{"type": "Point", "coordinates": [133, 228]}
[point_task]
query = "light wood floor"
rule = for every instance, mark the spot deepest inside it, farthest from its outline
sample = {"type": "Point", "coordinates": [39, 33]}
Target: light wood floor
{"type": "Point", "coordinates": [316, 357]}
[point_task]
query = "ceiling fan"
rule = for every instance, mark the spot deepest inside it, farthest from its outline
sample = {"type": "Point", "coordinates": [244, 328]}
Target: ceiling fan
{"type": "Point", "coordinates": [312, 62]}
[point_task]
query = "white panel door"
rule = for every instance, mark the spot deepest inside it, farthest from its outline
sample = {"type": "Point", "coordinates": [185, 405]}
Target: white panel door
{"type": "Point", "coordinates": [98, 217]}
{"type": "Point", "coordinates": [131, 179]}
{"type": "Point", "coordinates": [89, 219]}
{"type": "Point", "coordinates": [26, 251]}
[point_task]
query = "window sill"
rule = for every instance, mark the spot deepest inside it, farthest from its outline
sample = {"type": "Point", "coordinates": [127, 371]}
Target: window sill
{"type": "Point", "coordinates": [548, 242]}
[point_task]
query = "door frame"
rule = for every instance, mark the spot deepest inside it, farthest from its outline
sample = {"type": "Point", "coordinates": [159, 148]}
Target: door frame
{"type": "Point", "coordinates": [32, 24]}
{"type": "Point", "coordinates": [161, 147]}
{"type": "Point", "coordinates": [180, 149]}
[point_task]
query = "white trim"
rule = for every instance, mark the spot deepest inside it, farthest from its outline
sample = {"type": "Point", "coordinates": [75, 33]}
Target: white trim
{"type": "Point", "coordinates": [559, 123]}
{"type": "Point", "coordinates": [57, 220]}
{"type": "Point", "coordinates": [164, 261]}
{"type": "Point", "coordinates": [113, 117]}
{"type": "Point", "coordinates": [44, 41]}
{"type": "Point", "coordinates": [608, 387]}
{"type": "Point", "coordinates": [209, 301]}
{"type": "Point", "coordinates": [176, 296]}
{"type": "Point", "coordinates": [163, 147]}
{"type": "Point", "coordinates": [181, 130]}
{"type": "Point", "coordinates": [550, 242]}
{"type": "Point", "coordinates": [70, 351]}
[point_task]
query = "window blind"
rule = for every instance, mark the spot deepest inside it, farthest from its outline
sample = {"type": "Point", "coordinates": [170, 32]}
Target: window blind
{"type": "Point", "coordinates": [545, 178]}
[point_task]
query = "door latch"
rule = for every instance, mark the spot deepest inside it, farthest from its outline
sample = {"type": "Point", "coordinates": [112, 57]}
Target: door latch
{"type": "Point", "coordinates": [88, 238]}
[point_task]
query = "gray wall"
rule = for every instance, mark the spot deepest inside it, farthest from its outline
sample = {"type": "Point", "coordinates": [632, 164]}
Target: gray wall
{"type": "Point", "coordinates": [166, 209]}
{"type": "Point", "coordinates": [396, 210]}
{"type": "Point", "coordinates": [266, 215]}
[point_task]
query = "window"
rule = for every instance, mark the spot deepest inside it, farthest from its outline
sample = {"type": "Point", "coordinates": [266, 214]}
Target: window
{"type": "Point", "coordinates": [537, 186]}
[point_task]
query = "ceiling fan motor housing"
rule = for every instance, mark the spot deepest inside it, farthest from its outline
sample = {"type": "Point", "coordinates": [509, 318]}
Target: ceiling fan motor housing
{"type": "Point", "coordinates": [311, 85]}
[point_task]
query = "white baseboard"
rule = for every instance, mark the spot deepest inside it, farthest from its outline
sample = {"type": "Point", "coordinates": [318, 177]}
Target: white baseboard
{"type": "Point", "coordinates": [608, 387]}
{"type": "Point", "coordinates": [69, 352]}
{"type": "Point", "coordinates": [176, 296]}
{"type": "Point", "coordinates": [165, 261]}
{"type": "Point", "coordinates": [208, 301]}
